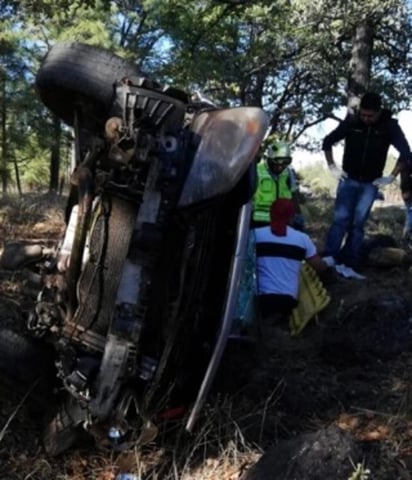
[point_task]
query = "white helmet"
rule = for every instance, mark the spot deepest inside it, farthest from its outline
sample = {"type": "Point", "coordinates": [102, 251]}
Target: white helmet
{"type": "Point", "coordinates": [278, 152]}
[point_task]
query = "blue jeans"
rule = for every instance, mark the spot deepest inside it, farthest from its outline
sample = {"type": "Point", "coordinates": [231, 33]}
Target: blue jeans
{"type": "Point", "coordinates": [406, 189]}
{"type": "Point", "coordinates": [353, 203]}
{"type": "Point", "coordinates": [407, 229]}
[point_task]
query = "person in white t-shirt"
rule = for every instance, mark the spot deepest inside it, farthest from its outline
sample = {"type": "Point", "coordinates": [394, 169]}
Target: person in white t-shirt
{"type": "Point", "coordinates": [280, 250]}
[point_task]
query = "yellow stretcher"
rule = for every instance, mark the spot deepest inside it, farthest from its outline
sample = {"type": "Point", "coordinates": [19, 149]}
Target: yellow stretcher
{"type": "Point", "coordinates": [312, 299]}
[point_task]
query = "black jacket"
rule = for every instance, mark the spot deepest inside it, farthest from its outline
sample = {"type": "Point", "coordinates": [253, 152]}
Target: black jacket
{"type": "Point", "coordinates": [366, 147]}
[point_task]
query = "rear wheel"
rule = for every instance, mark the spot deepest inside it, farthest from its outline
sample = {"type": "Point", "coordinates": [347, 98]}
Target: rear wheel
{"type": "Point", "coordinates": [77, 75]}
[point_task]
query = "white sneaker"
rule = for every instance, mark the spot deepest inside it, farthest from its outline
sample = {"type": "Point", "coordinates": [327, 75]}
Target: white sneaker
{"type": "Point", "coordinates": [348, 272]}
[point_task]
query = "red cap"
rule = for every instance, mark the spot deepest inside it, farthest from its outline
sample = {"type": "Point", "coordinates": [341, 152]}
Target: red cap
{"type": "Point", "coordinates": [281, 212]}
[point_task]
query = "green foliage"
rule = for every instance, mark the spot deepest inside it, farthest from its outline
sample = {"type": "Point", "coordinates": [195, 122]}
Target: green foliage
{"type": "Point", "coordinates": [320, 180]}
{"type": "Point", "coordinates": [291, 57]}
{"type": "Point", "coordinates": [33, 168]}
{"type": "Point", "coordinates": [62, 20]}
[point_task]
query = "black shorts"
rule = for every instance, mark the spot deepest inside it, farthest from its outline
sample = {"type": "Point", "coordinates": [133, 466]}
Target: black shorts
{"type": "Point", "coordinates": [270, 304]}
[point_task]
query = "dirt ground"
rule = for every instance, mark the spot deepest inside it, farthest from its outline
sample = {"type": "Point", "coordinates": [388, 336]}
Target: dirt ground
{"type": "Point", "coordinates": [331, 374]}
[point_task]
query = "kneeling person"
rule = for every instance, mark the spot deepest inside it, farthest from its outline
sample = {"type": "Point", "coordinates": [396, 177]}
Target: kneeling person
{"type": "Point", "coordinates": [280, 250]}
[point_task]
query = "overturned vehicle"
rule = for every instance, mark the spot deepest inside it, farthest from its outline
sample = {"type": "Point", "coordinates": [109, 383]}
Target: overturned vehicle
{"type": "Point", "coordinates": [138, 297]}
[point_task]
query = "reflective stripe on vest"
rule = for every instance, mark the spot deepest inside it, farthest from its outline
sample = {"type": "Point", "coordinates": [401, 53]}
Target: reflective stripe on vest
{"type": "Point", "coordinates": [268, 190]}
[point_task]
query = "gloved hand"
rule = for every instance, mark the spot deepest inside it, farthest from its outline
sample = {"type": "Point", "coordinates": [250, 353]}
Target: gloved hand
{"type": "Point", "coordinates": [382, 181]}
{"type": "Point", "coordinates": [299, 222]}
{"type": "Point", "coordinates": [337, 172]}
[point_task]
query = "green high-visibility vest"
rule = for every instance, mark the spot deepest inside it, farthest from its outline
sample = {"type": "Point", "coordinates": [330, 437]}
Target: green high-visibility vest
{"type": "Point", "coordinates": [269, 189]}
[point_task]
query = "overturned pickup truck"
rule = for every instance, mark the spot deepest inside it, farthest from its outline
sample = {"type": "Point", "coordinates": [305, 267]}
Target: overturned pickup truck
{"type": "Point", "coordinates": [138, 296]}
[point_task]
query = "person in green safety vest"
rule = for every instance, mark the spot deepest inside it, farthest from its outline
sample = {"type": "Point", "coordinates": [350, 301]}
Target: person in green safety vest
{"type": "Point", "coordinates": [276, 179]}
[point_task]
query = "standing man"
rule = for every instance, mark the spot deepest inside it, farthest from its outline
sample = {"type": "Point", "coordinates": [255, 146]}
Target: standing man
{"type": "Point", "coordinates": [367, 137]}
{"type": "Point", "coordinates": [406, 190]}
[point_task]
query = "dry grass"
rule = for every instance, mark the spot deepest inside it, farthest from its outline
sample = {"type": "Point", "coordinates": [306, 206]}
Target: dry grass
{"type": "Point", "coordinates": [31, 218]}
{"type": "Point", "coordinates": [217, 450]}
{"type": "Point", "coordinates": [234, 429]}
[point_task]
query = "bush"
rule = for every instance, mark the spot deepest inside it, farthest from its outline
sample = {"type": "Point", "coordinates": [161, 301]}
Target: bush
{"type": "Point", "coordinates": [318, 179]}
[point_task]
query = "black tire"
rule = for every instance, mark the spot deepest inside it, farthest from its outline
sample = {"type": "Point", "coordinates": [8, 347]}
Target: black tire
{"type": "Point", "coordinates": [76, 74]}
{"type": "Point", "coordinates": [22, 358]}
{"type": "Point", "coordinates": [26, 364]}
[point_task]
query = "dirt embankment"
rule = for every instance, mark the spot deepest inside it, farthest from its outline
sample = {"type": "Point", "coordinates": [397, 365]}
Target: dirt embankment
{"type": "Point", "coordinates": [329, 376]}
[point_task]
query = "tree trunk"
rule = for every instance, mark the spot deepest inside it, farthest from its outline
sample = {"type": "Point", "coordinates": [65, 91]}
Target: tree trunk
{"type": "Point", "coordinates": [18, 181]}
{"type": "Point", "coordinates": [254, 92]}
{"type": "Point", "coordinates": [55, 156]}
{"type": "Point", "coordinates": [360, 64]}
{"type": "Point", "coordinates": [3, 160]}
